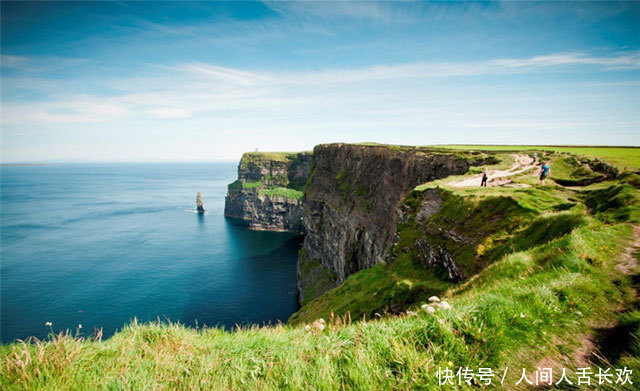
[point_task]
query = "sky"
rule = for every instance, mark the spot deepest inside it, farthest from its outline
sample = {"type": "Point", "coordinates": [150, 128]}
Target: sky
{"type": "Point", "coordinates": [206, 81]}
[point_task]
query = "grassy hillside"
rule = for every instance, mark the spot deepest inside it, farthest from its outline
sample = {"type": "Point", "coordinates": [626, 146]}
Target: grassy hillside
{"type": "Point", "coordinates": [621, 157]}
{"type": "Point", "coordinates": [512, 314]}
{"type": "Point", "coordinates": [550, 278]}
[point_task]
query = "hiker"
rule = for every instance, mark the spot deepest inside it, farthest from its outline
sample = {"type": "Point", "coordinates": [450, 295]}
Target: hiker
{"type": "Point", "coordinates": [545, 170]}
{"type": "Point", "coordinates": [485, 176]}
{"type": "Point", "coordinates": [535, 155]}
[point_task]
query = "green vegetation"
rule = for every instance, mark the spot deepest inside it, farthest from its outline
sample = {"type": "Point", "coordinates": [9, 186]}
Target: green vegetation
{"type": "Point", "coordinates": [252, 185]}
{"type": "Point", "coordinates": [568, 171]}
{"type": "Point", "coordinates": [249, 157]}
{"type": "Point", "coordinates": [530, 306]}
{"type": "Point", "coordinates": [272, 170]}
{"type": "Point", "coordinates": [282, 192]}
{"type": "Point", "coordinates": [547, 268]}
{"type": "Point", "coordinates": [621, 157]}
{"type": "Point", "coordinates": [316, 277]}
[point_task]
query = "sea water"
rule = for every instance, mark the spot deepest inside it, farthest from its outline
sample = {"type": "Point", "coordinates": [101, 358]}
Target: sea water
{"type": "Point", "coordinates": [98, 245]}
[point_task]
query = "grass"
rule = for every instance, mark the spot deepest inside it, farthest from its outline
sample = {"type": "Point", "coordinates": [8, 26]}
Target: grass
{"type": "Point", "coordinates": [476, 227]}
{"type": "Point", "coordinates": [513, 314]}
{"type": "Point", "coordinates": [568, 171]}
{"type": "Point", "coordinates": [285, 192]}
{"type": "Point", "coordinates": [621, 157]}
{"type": "Point", "coordinates": [271, 185]}
{"type": "Point", "coordinates": [270, 156]}
{"type": "Point", "coordinates": [541, 276]}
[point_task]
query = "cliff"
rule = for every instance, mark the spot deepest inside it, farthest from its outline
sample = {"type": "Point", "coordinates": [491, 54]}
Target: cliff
{"type": "Point", "coordinates": [268, 191]}
{"type": "Point", "coordinates": [350, 206]}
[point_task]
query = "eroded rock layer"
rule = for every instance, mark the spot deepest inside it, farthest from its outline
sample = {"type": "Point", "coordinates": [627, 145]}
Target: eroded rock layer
{"type": "Point", "coordinates": [350, 206]}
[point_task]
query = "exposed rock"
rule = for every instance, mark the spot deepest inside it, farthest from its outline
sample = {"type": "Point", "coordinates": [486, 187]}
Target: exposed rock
{"type": "Point", "coordinates": [199, 203]}
{"type": "Point", "coordinates": [268, 192]}
{"type": "Point", "coordinates": [433, 257]}
{"type": "Point", "coordinates": [351, 205]}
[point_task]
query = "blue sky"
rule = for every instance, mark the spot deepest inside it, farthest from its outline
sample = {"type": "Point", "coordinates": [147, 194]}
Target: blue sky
{"type": "Point", "coordinates": [186, 81]}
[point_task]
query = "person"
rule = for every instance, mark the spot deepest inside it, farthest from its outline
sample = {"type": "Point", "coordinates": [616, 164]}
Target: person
{"type": "Point", "coordinates": [535, 155]}
{"type": "Point", "coordinates": [485, 176]}
{"type": "Point", "coordinates": [545, 170]}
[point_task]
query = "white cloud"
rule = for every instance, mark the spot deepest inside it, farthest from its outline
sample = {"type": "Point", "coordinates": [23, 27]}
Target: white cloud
{"type": "Point", "coordinates": [171, 113]}
{"type": "Point", "coordinates": [417, 103]}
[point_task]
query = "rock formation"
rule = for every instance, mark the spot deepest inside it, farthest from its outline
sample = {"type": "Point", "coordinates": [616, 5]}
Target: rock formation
{"type": "Point", "coordinates": [199, 203]}
{"type": "Point", "coordinates": [268, 192]}
{"type": "Point", "coordinates": [345, 197]}
{"type": "Point", "coordinates": [350, 206]}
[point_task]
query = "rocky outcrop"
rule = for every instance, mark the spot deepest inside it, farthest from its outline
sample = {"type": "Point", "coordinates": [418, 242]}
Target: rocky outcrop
{"type": "Point", "coordinates": [268, 192]}
{"type": "Point", "coordinates": [351, 203]}
{"type": "Point", "coordinates": [199, 203]}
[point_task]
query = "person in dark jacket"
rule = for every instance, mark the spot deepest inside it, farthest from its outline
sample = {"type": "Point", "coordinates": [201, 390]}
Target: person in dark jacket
{"type": "Point", "coordinates": [485, 177]}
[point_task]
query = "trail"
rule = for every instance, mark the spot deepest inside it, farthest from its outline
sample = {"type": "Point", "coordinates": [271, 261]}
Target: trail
{"type": "Point", "coordinates": [500, 177]}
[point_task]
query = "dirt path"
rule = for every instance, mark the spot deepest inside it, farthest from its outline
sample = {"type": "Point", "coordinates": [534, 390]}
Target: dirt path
{"type": "Point", "coordinates": [628, 263]}
{"type": "Point", "coordinates": [584, 354]}
{"type": "Point", "coordinates": [500, 177]}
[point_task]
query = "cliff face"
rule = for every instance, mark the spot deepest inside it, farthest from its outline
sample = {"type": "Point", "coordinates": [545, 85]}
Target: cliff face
{"type": "Point", "coordinates": [350, 207]}
{"type": "Point", "coordinates": [268, 192]}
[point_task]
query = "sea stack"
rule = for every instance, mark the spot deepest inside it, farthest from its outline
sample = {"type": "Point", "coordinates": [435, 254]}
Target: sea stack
{"type": "Point", "coordinates": [199, 204]}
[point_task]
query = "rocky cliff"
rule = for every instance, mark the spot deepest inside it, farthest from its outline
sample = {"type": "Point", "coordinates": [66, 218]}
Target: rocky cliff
{"type": "Point", "coordinates": [351, 202]}
{"type": "Point", "coordinates": [268, 192]}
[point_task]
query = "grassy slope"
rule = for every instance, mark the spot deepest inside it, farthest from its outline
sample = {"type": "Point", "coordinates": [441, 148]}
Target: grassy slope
{"type": "Point", "coordinates": [282, 192]}
{"type": "Point", "coordinates": [549, 282]}
{"type": "Point", "coordinates": [621, 157]}
{"type": "Point", "coordinates": [512, 314]}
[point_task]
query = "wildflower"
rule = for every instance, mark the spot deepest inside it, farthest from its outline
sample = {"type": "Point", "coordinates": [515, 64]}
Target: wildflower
{"type": "Point", "coordinates": [307, 327]}
{"type": "Point", "coordinates": [411, 313]}
{"type": "Point", "coordinates": [522, 315]}
{"type": "Point", "coordinates": [318, 325]}
{"type": "Point", "coordinates": [80, 325]}
{"type": "Point", "coordinates": [428, 308]}
{"type": "Point", "coordinates": [48, 324]}
{"type": "Point", "coordinates": [450, 364]}
{"type": "Point", "coordinates": [434, 299]}
{"type": "Point", "coordinates": [445, 306]}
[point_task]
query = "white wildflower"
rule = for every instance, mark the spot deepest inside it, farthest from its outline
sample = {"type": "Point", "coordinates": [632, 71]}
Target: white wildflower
{"type": "Point", "coordinates": [434, 299]}
{"type": "Point", "coordinates": [80, 325]}
{"type": "Point", "coordinates": [444, 305]}
{"type": "Point", "coordinates": [430, 309]}
{"type": "Point", "coordinates": [48, 324]}
{"type": "Point", "coordinates": [307, 327]}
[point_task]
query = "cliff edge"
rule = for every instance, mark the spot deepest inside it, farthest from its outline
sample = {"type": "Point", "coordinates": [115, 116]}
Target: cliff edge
{"type": "Point", "coordinates": [268, 192]}
{"type": "Point", "coordinates": [350, 206]}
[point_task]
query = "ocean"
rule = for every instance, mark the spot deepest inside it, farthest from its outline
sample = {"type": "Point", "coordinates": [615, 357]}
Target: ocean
{"type": "Point", "coordinates": [98, 245]}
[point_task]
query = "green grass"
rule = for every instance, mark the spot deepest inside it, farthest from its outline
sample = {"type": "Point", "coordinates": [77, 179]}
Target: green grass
{"type": "Point", "coordinates": [269, 156]}
{"type": "Point", "coordinates": [528, 306]}
{"type": "Point", "coordinates": [621, 157]}
{"type": "Point", "coordinates": [282, 192]}
{"type": "Point", "coordinates": [475, 227]}
{"type": "Point", "coordinates": [541, 275]}
{"type": "Point", "coordinates": [568, 171]}
{"type": "Point", "coordinates": [252, 185]}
